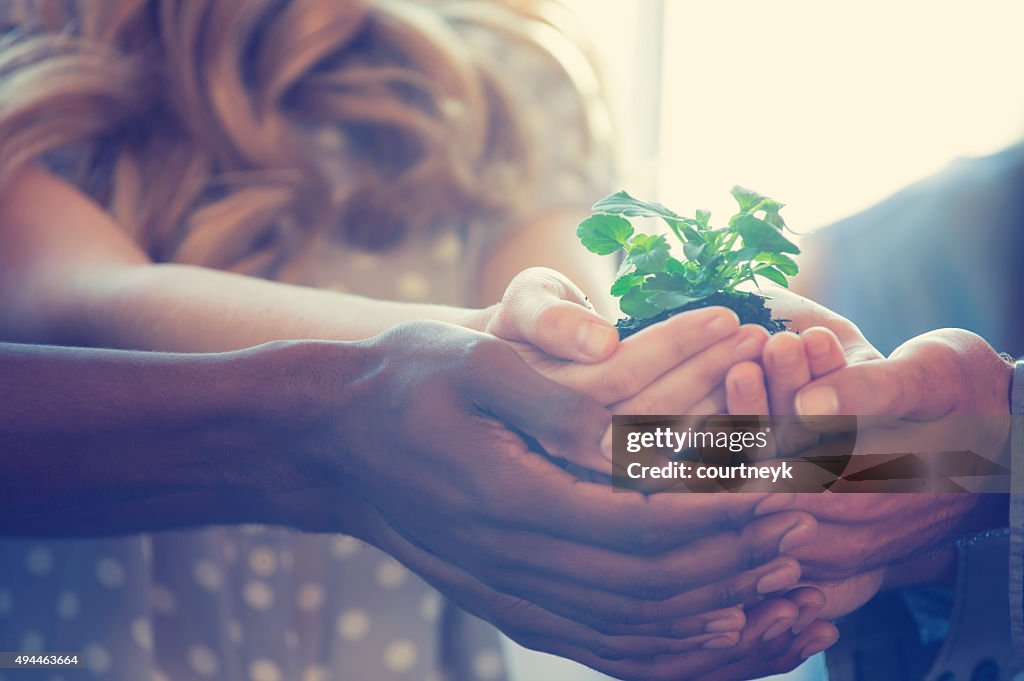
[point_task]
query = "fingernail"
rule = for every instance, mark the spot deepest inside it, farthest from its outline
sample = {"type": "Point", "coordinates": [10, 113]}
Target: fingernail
{"type": "Point", "coordinates": [719, 642]}
{"type": "Point", "coordinates": [778, 579]}
{"type": "Point", "coordinates": [777, 628]}
{"type": "Point", "coordinates": [748, 348]}
{"type": "Point", "coordinates": [821, 400]}
{"type": "Point", "coordinates": [732, 622]}
{"type": "Point", "coordinates": [720, 325]}
{"type": "Point", "coordinates": [801, 535]}
{"type": "Point", "coordinates": [749, 387]}
{"type": "Point", "coordinates": [593, 339]}
{"type": "Point", "coordinates": [606, 444]}
{"type": "Point", "coordinates": [818, 645]}
{"type": "Point", "coordinates": [777, 501]}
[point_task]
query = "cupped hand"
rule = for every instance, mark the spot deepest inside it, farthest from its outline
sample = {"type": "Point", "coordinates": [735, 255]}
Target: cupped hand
{"type": "Point", "coordinates": [675, 367]}
{"type": "Point", "coordinates": [438, 441]}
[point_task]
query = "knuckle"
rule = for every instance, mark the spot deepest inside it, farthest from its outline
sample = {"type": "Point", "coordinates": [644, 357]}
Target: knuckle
{"type": "Point", "coordinates": [619, 383]}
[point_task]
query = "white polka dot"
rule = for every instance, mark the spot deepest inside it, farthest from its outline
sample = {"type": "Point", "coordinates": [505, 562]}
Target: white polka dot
{"type": "Point", "coordinates": [31, 642]}
{"type": "Point", "coordinates": [160, 676]}
{"type": "Point", "coordinates": [413, 286]}
{"type": "Point", "coordinates": [353, 625]}
{"type": "Point", "coordinates": [39, 560]}
{"type": "Point", "coordinates": [97, 658]}
{"type": "Point", "coordinates": [67, 605]}
{"type": "Point", "coordinates": [400, 656]}
{"type": "Point", "coordinates": [264, 670]}
{"type": "Point", "coordinates": [364, 261]}
{"type": "Point", "coordinates": [203, 661]}
{"type": "Point", "coordinates": [430, 607]}
{"type": "Point", "coordinates": [109, 572]}
{"type": "Point", "coordinates": [6, 602]}
{"type": "Point", "coordinates": [291, 639]}
{"type": "Point", "coordinates": [235, 632]}
{"type": "Point", "coordinates": [391, 574]}
{"type": "Point", "coordinates": [447, 249]}
{"type": "Point", "coordinates": [162, 600]}
{"type": "Point", "coordinates": [262, 561]}
{"type": "Point", "coordinates": [345, 547]}
{"type": "Point", "coordinates": [258, 595]}
{"type": "Point", "coordinates": [311, 597]}
{"type": "Point", "coordinates": [316, 673]}
{"type": "Point", "coordinates": [142, 632]}
{"type": "Point", "coordinates": [208, 575]}
{"type": "Point", "coordinates": [487, 665]}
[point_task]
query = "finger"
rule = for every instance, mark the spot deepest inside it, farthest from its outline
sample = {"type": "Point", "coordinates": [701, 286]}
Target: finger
{"type": "Point", "coordinates": [745, 390]}
{"type": "Point", "coordinates": [649, 578]}
{"type": "Point", "coordinates": [677, 391]}
{"type": "Point", "coordinates": [566, 423]}
{"type": "Point", "coordinates": [877, 388]}
{"type": "Point", "coordinates": [713, 657]}
{"type": "Point", "coordinates": [613, 614]}
{"type": "Point", "coordinates": [786, 371]}
{"type": "Point", "coordinates": [810, 601]}
{"type": "Point", "coordinates": [778, 656]}
{"type": "Point", "coordinates": [642, 358]}
{"type": "Point", "coordinates": [543, 308]}
{"type": "Point", "coordinates": [631, 522]}
{"type": "Point", "coordinates": [823, 350]}
{"type": "Point", "coordinates": [523, 619]}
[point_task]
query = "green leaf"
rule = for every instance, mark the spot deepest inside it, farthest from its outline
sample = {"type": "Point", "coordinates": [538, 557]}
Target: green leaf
{"type": "Point", "coordinates": [746, 198]}
{"type": "Point", "coordinates": [664, 281]}
{"type": "Point", "coordinates": [772, 274]}
{"type": "Point", "coordinates": [625, 283]}
{"type": "Point", "coordinates": [759, 234]}
{"type": "Point", "coordinates": [621, 203]}
{"type": "Point", "coordinates": [634, 304]}
{"type": "Point", "coordinates": [604, 234]}
{"type": "Point", "coordinates": [667, 300]}
{"type": "Point", "coordinates": [648, 254]}
{"type": "Point", "coordinates": [693, 249]}
{"type": "Point", "coordinates": [703, 217]}
{"type": "Point", "coordinates": [783, 263]}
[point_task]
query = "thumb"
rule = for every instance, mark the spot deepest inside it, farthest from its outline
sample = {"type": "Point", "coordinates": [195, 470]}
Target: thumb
{"type": "Point", "coordinates": [567, 424]}
{"type": "Point", "coordinates": [543, 308]}
{"type": "Point", "coordinates": [885, 387]}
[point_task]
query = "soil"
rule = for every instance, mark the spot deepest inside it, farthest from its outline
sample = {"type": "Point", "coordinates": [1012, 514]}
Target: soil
{"type": "Point", "coordinates": [749, 307]}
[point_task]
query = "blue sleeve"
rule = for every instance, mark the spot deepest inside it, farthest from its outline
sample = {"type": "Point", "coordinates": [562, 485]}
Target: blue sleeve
{"type": "Point", "coordinates": [1017, 508]}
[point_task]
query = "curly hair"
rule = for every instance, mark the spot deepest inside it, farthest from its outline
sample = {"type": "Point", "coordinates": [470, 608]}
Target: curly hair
{"type": "Point", "coordinates": [190, 120]}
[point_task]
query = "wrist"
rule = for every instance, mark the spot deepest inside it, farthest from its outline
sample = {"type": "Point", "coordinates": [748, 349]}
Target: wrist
{"type": "Point", "coordinates": [299, 399]}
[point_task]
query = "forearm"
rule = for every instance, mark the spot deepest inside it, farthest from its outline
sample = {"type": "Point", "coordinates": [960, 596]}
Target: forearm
{"type": "Point", "coordinates": [104, 442]}
{"type": "Point", "coordinates": [70, 276]}
{"type": "Point", "coordinates": [179, 308]}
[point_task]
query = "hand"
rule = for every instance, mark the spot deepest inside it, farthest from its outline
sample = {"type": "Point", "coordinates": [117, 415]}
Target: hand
{"type": "Point", "coordinates": [946, 390]}
{"type": "Point", "coordinates": [425, 448]}
{"type": "Point", "coordinates": [675, 367]}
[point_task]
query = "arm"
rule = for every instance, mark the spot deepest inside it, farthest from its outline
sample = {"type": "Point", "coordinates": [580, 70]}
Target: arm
{"type": "Point", "coordinates": [80, 280]}
{"type": "Point", "coordinates": [104, 441]}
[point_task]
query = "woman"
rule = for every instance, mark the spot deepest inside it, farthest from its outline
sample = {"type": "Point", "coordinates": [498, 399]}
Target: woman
{"type": "Point", "coordinates": [159, 156]}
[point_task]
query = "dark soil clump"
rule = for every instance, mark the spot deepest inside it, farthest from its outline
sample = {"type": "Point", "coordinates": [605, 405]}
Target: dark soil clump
{"type": "Point", "coordinates": [749, 307]}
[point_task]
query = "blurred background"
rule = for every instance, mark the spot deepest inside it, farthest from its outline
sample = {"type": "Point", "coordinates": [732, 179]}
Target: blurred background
{"type": "Point", "coordinates": [827, 107]}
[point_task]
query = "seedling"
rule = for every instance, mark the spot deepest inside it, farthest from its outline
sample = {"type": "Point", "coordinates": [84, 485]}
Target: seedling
{"type": "Point", "coordinates": [652, 285]}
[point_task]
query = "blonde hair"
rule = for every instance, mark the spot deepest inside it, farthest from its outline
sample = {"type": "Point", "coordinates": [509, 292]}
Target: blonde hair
{"type": "Point", "coordinates": [189, 120]}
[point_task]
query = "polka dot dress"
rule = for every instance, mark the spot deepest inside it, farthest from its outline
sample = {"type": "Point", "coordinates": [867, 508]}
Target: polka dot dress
{"type": "Point", "coordinates": [267, 604]}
